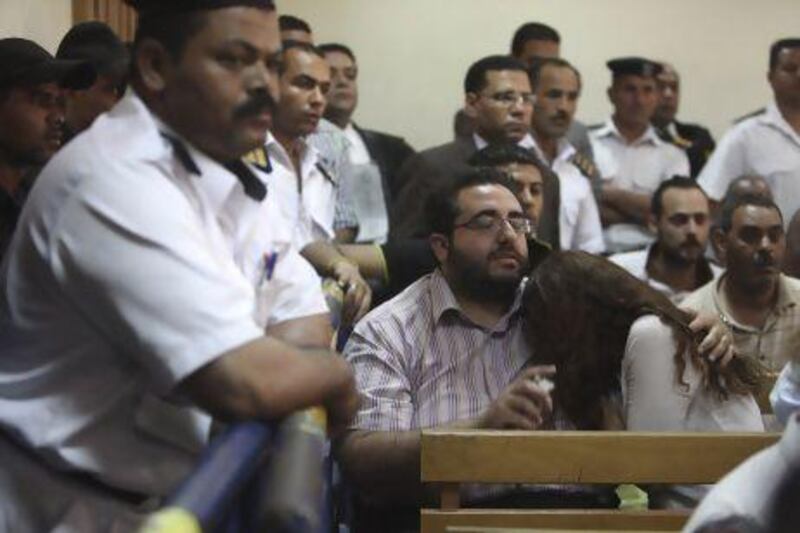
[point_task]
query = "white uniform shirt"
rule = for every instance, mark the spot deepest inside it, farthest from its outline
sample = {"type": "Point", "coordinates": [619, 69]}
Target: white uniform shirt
{"type": "Point", "coordinates": [310, 212]}
{"type": "Point", "coordinates": [636, 264]}
{"type": "Point", "coordinates": [764, 145]}
{"type": "Point", "coordinates": [128, 273]}
{"type": "Point", "coordinates": [579, 218]}
{"type": "Point", "coordinates": [638, 167]}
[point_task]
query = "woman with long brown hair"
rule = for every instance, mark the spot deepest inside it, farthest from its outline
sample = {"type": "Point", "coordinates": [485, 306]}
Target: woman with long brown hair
{"type": "Point", "coordinates": [625, 357]}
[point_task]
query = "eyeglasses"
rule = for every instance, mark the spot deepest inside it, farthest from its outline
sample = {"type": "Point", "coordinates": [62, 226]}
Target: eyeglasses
{"type": "Point", "coordinates": [486, 222]}
{"type": "Point", "coordinates": [511, 98]}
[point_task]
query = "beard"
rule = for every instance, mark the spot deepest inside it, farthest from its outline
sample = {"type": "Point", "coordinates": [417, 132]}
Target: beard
{"type": "Point", "coordinates": [473, 278]}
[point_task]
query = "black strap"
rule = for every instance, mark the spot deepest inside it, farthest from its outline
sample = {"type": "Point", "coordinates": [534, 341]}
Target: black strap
{"type": "Point", "coordinates": [253, 187]}
{"type": "Point", "coordinates": [182, 153]}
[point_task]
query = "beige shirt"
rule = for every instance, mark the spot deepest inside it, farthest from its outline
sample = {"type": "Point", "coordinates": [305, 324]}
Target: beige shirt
{"type": "Point", "coordinates": [775, 343]}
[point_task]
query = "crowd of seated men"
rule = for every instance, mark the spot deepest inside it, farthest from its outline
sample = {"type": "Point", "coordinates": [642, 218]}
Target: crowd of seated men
{"type": "Point", "coordinates": [531, 273]}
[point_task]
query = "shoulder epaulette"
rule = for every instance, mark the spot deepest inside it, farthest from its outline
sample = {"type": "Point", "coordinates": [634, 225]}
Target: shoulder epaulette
{"type": "Point", "coordinates": [595, 126]}
{"type": "Point", "coordinates": [259, 158]}
{"type": "Point", "coordinates": [585, 165]}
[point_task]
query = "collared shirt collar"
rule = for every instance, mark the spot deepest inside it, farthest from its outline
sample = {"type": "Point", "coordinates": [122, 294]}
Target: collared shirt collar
{"type": "Point", "coordinates": [444, 301]}
{"type": "Point", "coordinates": [213, 179]}
{"type": "Point", "coordinates": [309, 155]}
{"type": "Point", "coordinates": [525, 142]}
{"type": "Point", "coordinates": [773, 117]}
{"type": "Point", "coordinates": [609, 128]}
{"type": "Point", "coordinates": [782, 305]}
{"type": "Point", "coordinates": [564, 151]}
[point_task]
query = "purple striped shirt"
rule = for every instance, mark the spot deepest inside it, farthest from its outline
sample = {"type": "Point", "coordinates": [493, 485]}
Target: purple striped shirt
{"type": "Point", "coordinates": [420, 362]}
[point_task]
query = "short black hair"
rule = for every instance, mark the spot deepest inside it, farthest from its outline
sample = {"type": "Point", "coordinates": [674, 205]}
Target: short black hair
{"type": "Point", "coordinates": [675, 182]}
{"type": "Point", "coordinates": [779, 45]}
{"type": "Point", "coordinates": [328, 48]}
{"type": "Point", "coordinates": [290, 22]}
{"type": "Point", "coordinates": [539, 64]}
{"type": "Point", "coordinates": [170, 29]}
{"type": "Point", "coordinates": [499, 154]}
{"type": "Point", "coordinates": [532, 31]}
{"type": "Point", "coordinates": [290, 44]}
{"type": "Point", "coordinates": [441, 207]}
{"type": "Point", "coordinates": [730, 205]}
{"type": "Point", "coordinates": [475, 80]}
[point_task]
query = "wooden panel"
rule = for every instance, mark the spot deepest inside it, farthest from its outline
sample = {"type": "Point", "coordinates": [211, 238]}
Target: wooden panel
{"type": "Point", "coordinates": [584, 456]}
{"type": "Point", "coordinates": [119, 16]}
{"type": "Point", "coordinates": [82, 10]}
{"type": "Point", "coordinates": [433, 521]}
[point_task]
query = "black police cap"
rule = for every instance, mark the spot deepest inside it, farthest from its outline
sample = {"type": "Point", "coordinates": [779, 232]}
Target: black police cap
{"type": "Point", "coordinates": [163, 7]}
{"type": "Point", "coordinates": [636, 66]}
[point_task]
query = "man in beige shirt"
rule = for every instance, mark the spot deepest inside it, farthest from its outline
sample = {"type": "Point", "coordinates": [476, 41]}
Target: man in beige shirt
{"type": "Point", "coordinates": [753, 297]}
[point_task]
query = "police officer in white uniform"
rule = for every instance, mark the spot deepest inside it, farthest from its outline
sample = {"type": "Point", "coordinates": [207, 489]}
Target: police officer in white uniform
{"type": "Point", "coordinates": [630, 156]}
{"type": "Point", "coordinates": [138, 283]}
{"type": "Point", "coordinates": [768, 143]}
{"type": "Point", "coordinates": [306, 185]}
{"type": "Point", "coordinates": [557, 86]}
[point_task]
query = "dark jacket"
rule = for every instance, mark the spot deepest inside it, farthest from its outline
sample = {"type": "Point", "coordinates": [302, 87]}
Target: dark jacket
{"type": "Point", "coordinates": [693, 139]}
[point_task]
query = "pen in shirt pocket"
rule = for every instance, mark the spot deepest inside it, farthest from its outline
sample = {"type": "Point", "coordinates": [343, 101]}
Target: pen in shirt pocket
{"type": "Point", "coordinates": [269, 266]}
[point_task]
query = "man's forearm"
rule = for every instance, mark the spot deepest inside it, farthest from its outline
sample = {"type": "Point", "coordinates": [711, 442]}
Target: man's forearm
{"type": "Point", "coordinates": [634, 206]}
{"type": "Point", "coordinates": [306, 332]}
{"type": "Point", "coordinates": [323, 256]}
{"type": "Point", "coordinates": [383, 466]}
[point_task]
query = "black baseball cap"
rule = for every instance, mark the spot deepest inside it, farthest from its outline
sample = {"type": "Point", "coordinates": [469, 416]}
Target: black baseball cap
{"type": "Point", "coordinates": [95, 42]}
{"type": "Point", "coordinates": [23, 62]}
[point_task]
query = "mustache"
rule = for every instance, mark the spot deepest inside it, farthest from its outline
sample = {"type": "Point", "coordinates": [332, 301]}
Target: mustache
{"type": "Point", "coordinates": [763, 259]}
{"type": "Point", "coordinates": [258, 103]}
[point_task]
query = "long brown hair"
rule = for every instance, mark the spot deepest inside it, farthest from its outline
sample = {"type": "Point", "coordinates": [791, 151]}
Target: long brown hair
{"type": "Point", "coordinates": [579, 311]}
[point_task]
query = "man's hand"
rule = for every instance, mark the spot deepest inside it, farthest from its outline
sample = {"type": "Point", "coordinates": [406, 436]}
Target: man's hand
{"type": "Point", "coordinates": [523, 404]}
{"type": "Point", "coordinates": [357, 294]}
{"type": "Point", "coordinates": [717, 344]}
{"type": "Point", "coordinates": [342, 406]}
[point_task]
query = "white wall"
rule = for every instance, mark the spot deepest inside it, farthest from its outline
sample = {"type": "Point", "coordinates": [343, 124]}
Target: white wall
{"type": "Point", "coordinates": [43, 21]}
{"type": "Point", "coordinates": [413, 53]}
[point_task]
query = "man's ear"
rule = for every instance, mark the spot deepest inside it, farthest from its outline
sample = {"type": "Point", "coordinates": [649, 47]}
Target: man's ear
{"type": "Point", "coordinates": [719, 245]}
{"type": "Point", "coordinates": [440, 245]}
{"type": "Point", "coordinates": [154, 64]}
{"type": "Point", "coordinates": [470, 99]}
{"type": "Point", "coordinates": [652, 223]}
{"type": "Point", "coordinates": [609, 93]}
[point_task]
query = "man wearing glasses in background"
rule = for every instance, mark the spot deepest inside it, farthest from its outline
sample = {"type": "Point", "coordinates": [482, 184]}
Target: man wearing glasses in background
{"type": "Point", "coordinates": [499, 99]}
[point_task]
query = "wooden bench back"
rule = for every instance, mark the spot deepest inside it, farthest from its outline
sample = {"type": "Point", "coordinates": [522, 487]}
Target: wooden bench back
{"type": "Point", "coordinates": [449, 458]}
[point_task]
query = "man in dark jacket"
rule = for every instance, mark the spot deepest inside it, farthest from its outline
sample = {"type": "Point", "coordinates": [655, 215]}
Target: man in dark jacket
{"type": "Point", "coordinates": [693, 139]}
{"type": "Point", "coordinates": [377, 156]}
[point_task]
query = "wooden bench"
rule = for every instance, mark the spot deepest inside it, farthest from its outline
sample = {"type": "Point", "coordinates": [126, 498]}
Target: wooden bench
{"type": "Point", "coordinates": [450, 458]}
